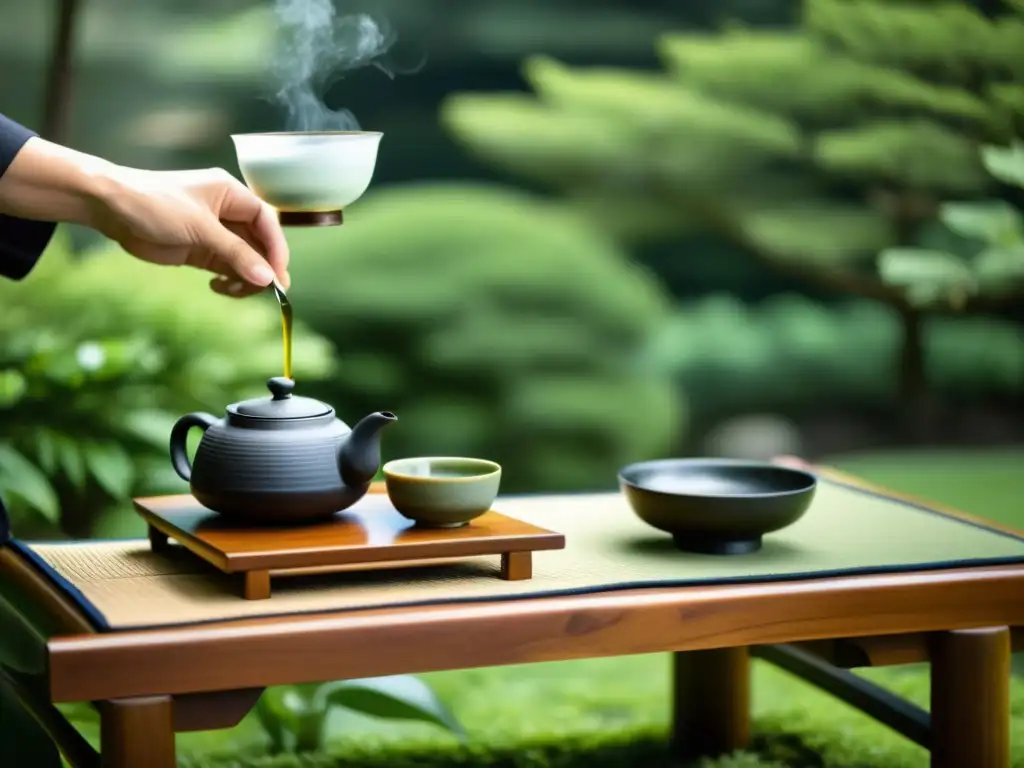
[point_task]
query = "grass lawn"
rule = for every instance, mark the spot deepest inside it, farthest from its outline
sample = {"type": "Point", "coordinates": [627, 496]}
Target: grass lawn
{"type": "Point", "coordinates": [614, 712]}
{"type": "Point", "coordinates": [985, 483]}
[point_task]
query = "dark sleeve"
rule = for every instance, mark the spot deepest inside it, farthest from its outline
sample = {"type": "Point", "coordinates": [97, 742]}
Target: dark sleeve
{"type": "Point", "coordinates": [22, 242]}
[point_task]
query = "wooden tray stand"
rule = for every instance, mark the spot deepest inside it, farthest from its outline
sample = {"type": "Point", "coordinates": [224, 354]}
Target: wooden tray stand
{"type": "Point", "coordinates": [370, 534]}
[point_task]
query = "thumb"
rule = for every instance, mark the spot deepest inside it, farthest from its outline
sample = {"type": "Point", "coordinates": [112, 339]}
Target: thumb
{"type": "Point", "coordinates": [237, 254]}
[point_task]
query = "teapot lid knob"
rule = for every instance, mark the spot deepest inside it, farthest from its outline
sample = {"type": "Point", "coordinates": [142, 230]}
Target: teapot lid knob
{"type": "Point", "coordinates": [281, 387]}
{"type": "Point", "coordinates": [282, 406]}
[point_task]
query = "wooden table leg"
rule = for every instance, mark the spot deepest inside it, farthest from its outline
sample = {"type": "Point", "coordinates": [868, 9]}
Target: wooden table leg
{"type": "Point", "coordinates": [137, 732]}
{"type": "Point", "coordinates": [711, 702]}
{"type": "Point", "coordinates": [971, 698]}
{"type": "Point", "coordinates": [158, 541]}
{"type": "Point", "coordinates": [516, 566]}
{"type": "Point", "coordinates": [257, 585]}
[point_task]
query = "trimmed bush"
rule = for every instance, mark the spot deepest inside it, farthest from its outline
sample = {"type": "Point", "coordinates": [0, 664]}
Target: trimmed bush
{"type": "Point", "coordinates": [790, 353]}
{"type": "Point", "coordinates": [495, 327]}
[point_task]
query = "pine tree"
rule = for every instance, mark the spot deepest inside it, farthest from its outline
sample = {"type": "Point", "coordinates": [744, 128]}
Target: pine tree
{"type": "Point", "coordinates": [828, 152]}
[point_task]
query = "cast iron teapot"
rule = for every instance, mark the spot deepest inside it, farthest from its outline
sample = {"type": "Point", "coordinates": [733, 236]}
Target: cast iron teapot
{"type": "Point", "coordinates": [279, 459]}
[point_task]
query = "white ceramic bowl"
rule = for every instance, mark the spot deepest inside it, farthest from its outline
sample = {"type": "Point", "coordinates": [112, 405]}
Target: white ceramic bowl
{"type": "Point", "coordinates": [314, 171]}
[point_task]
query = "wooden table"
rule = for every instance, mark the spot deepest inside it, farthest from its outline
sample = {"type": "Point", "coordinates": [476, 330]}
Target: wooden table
{"type": "Point", "coordinates": [150, 684]}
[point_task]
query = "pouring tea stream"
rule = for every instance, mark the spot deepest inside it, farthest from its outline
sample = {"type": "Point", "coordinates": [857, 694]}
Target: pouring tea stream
{"type": "Point", "coordinates": [286, 327]}
{"type": "Point", "coordinates": [309, 177]}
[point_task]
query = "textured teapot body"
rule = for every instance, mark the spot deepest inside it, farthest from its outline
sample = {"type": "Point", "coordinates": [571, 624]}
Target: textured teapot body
{"type": "Point", "coordinates": [278, 470]}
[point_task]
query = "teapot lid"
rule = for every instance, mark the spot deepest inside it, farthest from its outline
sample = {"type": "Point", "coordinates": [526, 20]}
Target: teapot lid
{"type": "Point", "coordinates": [281, 405]}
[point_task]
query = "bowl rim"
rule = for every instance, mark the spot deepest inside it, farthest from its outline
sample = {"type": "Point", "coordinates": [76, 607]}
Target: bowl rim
{"type": "Point", "coordinates": [493, 468]}
{"type": "Point", "coordinates": [293, 134]}
{"type": "Point", "coordinates": [811, 485]}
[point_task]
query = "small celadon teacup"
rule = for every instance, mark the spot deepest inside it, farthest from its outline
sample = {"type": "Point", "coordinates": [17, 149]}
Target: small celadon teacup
{"type": "Point", "coordinates": [442, 491]}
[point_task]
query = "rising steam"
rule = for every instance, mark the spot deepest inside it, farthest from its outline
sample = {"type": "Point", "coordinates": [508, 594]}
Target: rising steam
{"type": "Point", "coordinates": [315, 46]}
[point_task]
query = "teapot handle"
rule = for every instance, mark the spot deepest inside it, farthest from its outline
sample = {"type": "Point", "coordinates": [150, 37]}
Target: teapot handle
{"type": "Point", "coordinates": [179, 441]}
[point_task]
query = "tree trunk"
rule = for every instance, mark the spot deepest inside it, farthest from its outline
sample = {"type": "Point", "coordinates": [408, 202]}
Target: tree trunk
{"type": "Point", "coordinates": [915, 400]}
{"type": "Point", "coordinates": [57, 107]}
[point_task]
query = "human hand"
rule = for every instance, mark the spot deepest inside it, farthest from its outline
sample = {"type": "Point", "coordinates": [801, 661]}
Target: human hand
{"type": "Point", "coordinates": [205, 219]}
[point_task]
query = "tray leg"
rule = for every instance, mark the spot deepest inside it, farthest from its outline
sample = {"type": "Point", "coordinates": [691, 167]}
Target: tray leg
{"type": "Point", "coordinates": [711, 702]}
{"type": "Point", "coordinates": [158, 541]}
{"type": "Point", "coordinates": [137, 732]}
{"type": "Point", "coordinates": [971, 698]}
{"type": "Point", "coordinates": [517, 566]}
{"type": "Point", "coordinates": [257, 585]}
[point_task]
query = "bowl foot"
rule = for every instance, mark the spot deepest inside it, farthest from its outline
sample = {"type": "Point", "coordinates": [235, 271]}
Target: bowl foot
{"type": "Point", "coordinates": [716, 545]}
{"type": "Point", "coordinates": [421, 524]}
{"type": "Point", "coordinates": [309, 218]}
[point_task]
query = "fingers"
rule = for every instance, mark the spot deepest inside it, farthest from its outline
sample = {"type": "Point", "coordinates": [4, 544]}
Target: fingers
{"type": "Point", "coordinates": [237, 254]}
{"type": "Point", "coordinates": [240, 205]}
{"type": "Point", "coordinates": [268, 232]}
{"type": "Point", "coordinates": [229, 285]}
{"type": "Point", "coordinates": [227, 282]}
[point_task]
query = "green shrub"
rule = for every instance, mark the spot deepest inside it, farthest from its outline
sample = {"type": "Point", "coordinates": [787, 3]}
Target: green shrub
{"type": "Point", "coordinates": [98, 357]}
{"type": "Point", "coordinates": [494, 326]}
{"type": "Point", "coordinates": [789, 352]}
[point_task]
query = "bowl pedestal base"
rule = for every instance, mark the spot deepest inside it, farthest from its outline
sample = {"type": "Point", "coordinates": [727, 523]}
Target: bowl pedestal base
{"type": "Point", "coordinates": [310, 218]}
{"type": "Point", "coordinates": [705, 545]}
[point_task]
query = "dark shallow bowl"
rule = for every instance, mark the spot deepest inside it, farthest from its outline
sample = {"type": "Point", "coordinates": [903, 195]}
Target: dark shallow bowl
{"type": "Point", "coordinates": [717, 506]}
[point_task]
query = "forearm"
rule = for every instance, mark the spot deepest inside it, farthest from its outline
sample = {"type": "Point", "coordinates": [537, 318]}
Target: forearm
{"type": "Point", "coordinates": [48, 182]}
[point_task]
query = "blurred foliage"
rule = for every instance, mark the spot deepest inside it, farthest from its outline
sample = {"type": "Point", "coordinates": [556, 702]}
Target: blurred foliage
{"type": "Point", "coordinates": [98, 357]}
{"type": "Point", "coordinates": [788, 353]}
{"type": "Point", "coordinates": [977, 247]}
{"type": "Point", "coordinates": [161, 83]}
{"type": "Point", "coordinates": [295, 718]}
{"type": "Point", "coordinates": [812, 149]}
{"type": "Point", "coordinates": [846, 153]}
{"type": "Point", "coordinates": [494, 326]}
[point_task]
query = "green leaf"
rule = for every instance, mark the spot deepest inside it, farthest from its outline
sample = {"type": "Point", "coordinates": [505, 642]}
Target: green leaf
{"type": "Point", "coordinates": [111, 466]}
{"type": "Point", "coordinates": [69, 457]}
{"type": "Point", "coordinates": [119, 522]}
{"type": "Point", "coordinates": [273, 726]}
{"type": "Point", "coordinates": [991, 222]}
{"type": "Point", "coordinates": [80, 713]}
{"type": "Point", "coordinates": [310, 732]}
{"type": "Point", "coordinates": [913, 153]}
{"type": "Point", "coordinates": [46, 450]}
{"type": "Point", "coordinates": [810, 230]}
{"type": "Point", "coordinates": [655, 105]}
{"type": "Point", "coordinates": [12, 387]}
{"type": "Point", "coordinates": [1005, 163]}
{"type": "Point", "coordinates": [20, 478]}
{"type": "Point", "coordinates": [998, 266]}
{"type": "Point", "coordinates": [527, 137]}
{"type": "Point", "coordinates": [25, 742]}
{"type": "Point", "coordinates": [150, 426]}
{"type": "Point", "coordinates": [399, 697]}
{"type": "Point", "coordinates": [288, 703]}
{"type": "Point", "coordinates": [928, 277]}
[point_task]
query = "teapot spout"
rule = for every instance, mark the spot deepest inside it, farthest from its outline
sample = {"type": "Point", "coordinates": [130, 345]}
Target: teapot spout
{"type": "Point", "coordinates": [359, 455]}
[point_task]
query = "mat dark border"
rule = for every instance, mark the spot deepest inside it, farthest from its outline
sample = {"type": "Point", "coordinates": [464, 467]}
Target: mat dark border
{"type": "Point", "coordinates": [99, 621]}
